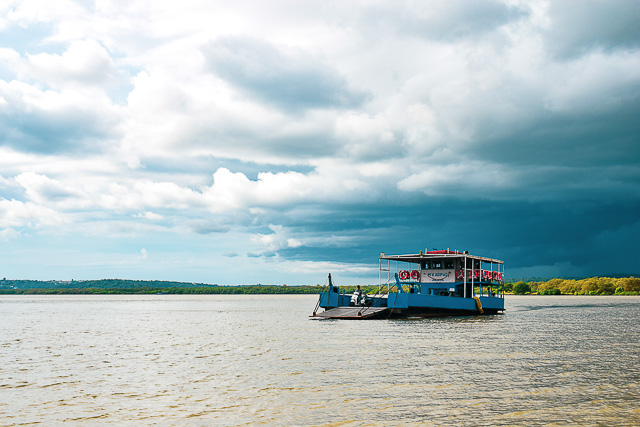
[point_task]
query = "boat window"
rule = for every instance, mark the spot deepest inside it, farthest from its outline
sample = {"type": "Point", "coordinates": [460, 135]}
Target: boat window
{"type": "Point", "coordinates": [426, 265]}
{"type": "Point", "coordinates": [436, 263]}
{"type": "Point", "coordinates": [448, 263]}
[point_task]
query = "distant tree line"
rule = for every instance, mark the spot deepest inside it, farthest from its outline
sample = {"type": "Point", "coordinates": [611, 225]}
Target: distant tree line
{"type": "Point", "coordinates": [588, 286]}
{"type": "Point", "coordinates": [169, 290]}
{"type": "Point", "coordinates": [121, 286]}
{"type": "Point", "coordinates": [97, 284]}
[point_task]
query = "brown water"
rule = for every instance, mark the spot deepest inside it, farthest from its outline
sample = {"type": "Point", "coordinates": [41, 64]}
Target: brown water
{"type": "Point", "coordinates": [245, 360]}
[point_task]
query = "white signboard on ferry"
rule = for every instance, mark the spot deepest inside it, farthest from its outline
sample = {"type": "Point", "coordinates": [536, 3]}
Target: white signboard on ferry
{"type": "Point", "coordinates": [443, 276]}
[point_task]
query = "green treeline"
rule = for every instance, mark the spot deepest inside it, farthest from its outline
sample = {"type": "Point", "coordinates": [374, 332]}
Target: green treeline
{"type": "Point", "coordinates": [118, 286]}
{"type": "Point", "coordinates": [589, 286]}
{"type": "Point", "coordinates": [98, 284]}
{"type": "Point", "coordinates": [169, 290]}
{"type": "Point", "coordinates": [262, 289]}
{"type": "Point", "coordinates": [159, 289]}
{"type": "Point", "coordinates": [121, 286]}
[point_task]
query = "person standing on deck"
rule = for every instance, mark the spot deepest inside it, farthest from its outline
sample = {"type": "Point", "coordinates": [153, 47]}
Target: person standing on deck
{"type": "Point", "coordinates": [356, 297]}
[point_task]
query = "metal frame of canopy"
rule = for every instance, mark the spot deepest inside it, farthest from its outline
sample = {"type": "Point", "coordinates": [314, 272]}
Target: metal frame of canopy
{"type": "Point", "coordinates": [438, 254]}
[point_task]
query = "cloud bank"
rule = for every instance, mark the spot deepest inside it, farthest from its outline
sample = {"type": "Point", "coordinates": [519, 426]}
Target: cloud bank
{"type": "Point", "coordinates": [255, 143]}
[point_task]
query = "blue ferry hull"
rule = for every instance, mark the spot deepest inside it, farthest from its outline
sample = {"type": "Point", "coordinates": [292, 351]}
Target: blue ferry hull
{"type": "Point", "coordinates": [417, 305]}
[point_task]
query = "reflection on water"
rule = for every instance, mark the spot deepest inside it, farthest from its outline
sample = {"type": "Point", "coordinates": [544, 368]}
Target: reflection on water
{"type": "Point", "coordinates": [234, 360]}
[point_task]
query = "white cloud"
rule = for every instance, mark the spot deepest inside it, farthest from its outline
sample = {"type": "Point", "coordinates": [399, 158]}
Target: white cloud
{"type": "Point", "coordinates": [17, 214]}
{"type": "Point", "coordinates": [594, 83]}
{"type": "Point", "coordinates": [271, 243]}
{"type": "Point", "coordinates": [140, 195]}
{"type": "Point", "coordinates": [85, 62]}
{"type": "Point", "coordinates": [149, 215]}
{"type": "Point", "coordinates": [40, 188]}
{"type": "Point", "coordinates": [472, 179]}
{"type": "Point", "coordinates": [29, 11]}
{"type": "Point", "coordinates": [8, 234]}
{"type": "Point", "coordinates": [291, 79]}
{"type": "Point", "coordinates": [48, 121]}
{"type": "Point", "coordinates": [12, 61]}
{"type": "Point", "coordinates": [209, 118]}
{"type": "Point", "coordinates": [235, 191]}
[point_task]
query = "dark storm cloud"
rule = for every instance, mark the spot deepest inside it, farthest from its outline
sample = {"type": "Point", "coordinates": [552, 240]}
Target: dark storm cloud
{"type": "Point", "coordinates": [571, 140]}
{"type": "Point", "coordinates": [292, 80]}
{"type": "Point", "coordinates": [577, 27]}
{"type": "Point", "coordinates": [522, 234]}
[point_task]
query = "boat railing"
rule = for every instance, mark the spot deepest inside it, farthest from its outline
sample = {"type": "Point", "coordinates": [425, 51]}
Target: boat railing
{"type": "Point", "coordinates": [315, 310]}
{"type": "Point", "coordinates": [328, 286]}
{"type": "Point", "coordinates": [365, 308]}
{"type": "Point", "coordinates": [490, 291]}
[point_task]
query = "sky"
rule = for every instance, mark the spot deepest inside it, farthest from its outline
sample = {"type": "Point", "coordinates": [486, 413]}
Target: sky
{"type": "Point", "coordinates": [276, 142]}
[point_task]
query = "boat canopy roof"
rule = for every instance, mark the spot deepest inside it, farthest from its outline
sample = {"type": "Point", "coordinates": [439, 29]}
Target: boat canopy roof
{"type": "Point", "coordinates": [422, 256]}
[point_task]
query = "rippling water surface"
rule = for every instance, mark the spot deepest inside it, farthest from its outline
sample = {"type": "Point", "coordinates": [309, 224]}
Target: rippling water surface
{"type": "Point", "coordinates": [245, 360]}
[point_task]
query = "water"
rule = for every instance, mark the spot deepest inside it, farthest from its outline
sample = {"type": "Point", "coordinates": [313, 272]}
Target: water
{"type": "Point", "coordinates": [245, 360]}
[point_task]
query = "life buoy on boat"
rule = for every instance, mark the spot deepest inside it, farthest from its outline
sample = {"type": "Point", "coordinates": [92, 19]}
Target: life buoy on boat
{"type": "Point", "coordinates": [415, 274]}
{"type": "Point", "coordinates": [404, 274]}
{"type": "Point", "coordinates": [459, 274]}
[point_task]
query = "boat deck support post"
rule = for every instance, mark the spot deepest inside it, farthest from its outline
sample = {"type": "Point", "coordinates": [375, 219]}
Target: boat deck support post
{"type": "Point", "coordinates": [398, 285]}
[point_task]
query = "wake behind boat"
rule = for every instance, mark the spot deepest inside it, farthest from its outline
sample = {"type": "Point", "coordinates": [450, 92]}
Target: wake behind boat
{"type": "Point", "coordinates": [430, 283]}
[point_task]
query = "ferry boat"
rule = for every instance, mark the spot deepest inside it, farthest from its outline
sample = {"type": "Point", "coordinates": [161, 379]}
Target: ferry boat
{"type": "Point", "coordinates": [426, 284]}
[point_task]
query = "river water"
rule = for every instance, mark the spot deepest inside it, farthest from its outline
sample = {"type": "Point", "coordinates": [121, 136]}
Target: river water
{"type": "Point", "coordinates": [258, 359]}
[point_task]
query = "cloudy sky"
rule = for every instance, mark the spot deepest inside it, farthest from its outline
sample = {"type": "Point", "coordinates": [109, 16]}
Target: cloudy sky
{"type": "Point", "coordinates": [277, 141]}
